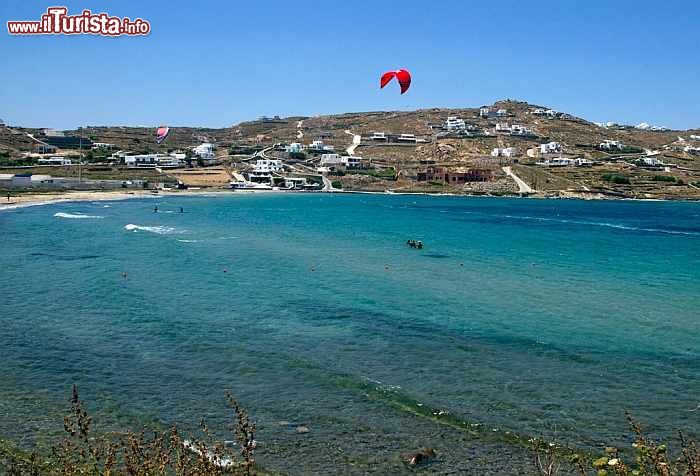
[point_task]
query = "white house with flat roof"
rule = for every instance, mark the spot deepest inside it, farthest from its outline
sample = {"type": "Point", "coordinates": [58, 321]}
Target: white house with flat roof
{"type": "Point", "coordinates": [454, 123]}
{"type": "Point", "coordinates": [504, 152]}
{"type": "Point", "coordinates": [204, 150]}
{"type": "Point", "coordinates": [550, 148]}
{"type": "Point", "coordinates": [55, 161]}
{"type": "Point", "coordinates": [520, 130]}
{"type": "Point", "coordinates": [268, 166]}
{"type": "Point", "coordinates": [609, 144]}
{"type": "Point", "coordinates": [150, 161]}
{"type": "Point", "coordinates": [502, 128]}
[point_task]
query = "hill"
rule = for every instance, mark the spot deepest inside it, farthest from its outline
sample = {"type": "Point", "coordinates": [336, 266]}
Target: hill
{"type": "Point", "coordinates": [635, 163]}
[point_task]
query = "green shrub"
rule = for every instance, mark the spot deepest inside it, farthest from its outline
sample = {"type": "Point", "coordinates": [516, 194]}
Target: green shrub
{"type": "Point", "coordinates": [337, 184]}
{"type": "Point", "coordinates": [615, 178]}
{"type": "Point", "coordinates": [663, 178]}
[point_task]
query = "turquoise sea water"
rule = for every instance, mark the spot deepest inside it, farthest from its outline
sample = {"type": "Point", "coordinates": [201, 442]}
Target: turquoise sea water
{"type": "Point", "coordinates": [538, 318]}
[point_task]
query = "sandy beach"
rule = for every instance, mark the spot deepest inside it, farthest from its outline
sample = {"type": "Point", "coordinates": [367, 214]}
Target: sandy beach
{"type": "Point", "coordinates": [34, 199]}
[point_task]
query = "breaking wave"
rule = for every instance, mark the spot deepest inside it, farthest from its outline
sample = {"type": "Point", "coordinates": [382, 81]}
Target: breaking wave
{"type": "Point", "coordinates": [160, 230]}
{"type": "Point", "coordinates": [604, 224]}
{"type": "Point", "coordinates": [74, 216]}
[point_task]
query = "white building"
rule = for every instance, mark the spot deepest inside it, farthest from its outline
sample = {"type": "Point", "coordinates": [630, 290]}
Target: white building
{"type": "Point", "coordinates": [550, 148]}
{"type": "Point", "coordinates": [353, 162]}
{"type": "Point", "coordinates": [611, 144]}
{"type": "Point", "coordinates": [505, 152]}
{"type": "Point", "coordinates": [294, 148]}
{"type": "Point", "coordinates": [519, 130]}
{"type": "Point", "coordinates": [54, 161]}
{"type": "Point", "coordinates": [502, 113]}
{"type": "Point", "coordinates": [320, 145]}
{"type": "Point", "coordinates": [406, 138]}
{"type": "Point", "coordinates": [331, 160]}
{"type": "Point", "coordinates": [204, 150]}
{"type": "Point", "coordinates": [550, 113]}
{"type": "Point", "coordinates": [691, 150]}
{"type": "Point", "coordinates": [102, 145]}
{"type": "Point", "coordinates": [378, 136]}
{"type": "Point", "coordinates": [484, 111]}
{"type": "Point", "coordinates": [150, 161]}
{"type": "Point", "coordinates": [267, 166]}
{"type": "Point", "coordinates": [336, 161]}
{"type": "Point", "coordinates": [502, 128]}
{"type": "Point", "coordinates": [557, 162]}
{"type": "Point", "coordinates": [454, 123]}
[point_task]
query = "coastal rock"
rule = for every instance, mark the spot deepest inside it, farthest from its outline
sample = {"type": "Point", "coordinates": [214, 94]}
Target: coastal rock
{"type": "Point", "coordinates": [303, 429]}
{"type": "Point", "coordinates": [414, 458]}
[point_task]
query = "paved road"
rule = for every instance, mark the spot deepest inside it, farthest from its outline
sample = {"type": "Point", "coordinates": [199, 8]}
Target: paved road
{"type": "Point", "coordinates": [523, 187]}
{"type": "Point", "coordinates": [356, 139]}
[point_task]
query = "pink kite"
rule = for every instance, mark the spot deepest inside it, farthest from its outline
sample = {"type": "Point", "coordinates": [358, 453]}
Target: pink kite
{"type": "Point", "coordinates": [162, 134]}
{"type": "Point", "coordinates": [402, 76]}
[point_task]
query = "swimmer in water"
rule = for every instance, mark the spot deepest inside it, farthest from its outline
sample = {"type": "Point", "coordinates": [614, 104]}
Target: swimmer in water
{"type": "Point", "coordinates": [181, 210]}
{"type": "Point", "coordinates": [155, 209]}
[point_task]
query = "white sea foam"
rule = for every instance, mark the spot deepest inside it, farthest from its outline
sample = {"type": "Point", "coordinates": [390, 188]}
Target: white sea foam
{"type": "Point", "coordinates": [603, 224]}
{"type": "Point", "coordinates": [74, 215]}
{"type": "Point", "coordinates": [189, 241]}
{"type": "Point", "coordinates": [160, 230]}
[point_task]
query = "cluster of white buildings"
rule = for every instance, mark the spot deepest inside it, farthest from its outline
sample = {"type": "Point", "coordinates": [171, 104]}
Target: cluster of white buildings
{"type": "Point", "coordinates": [204, 151]}
{"type": "Point", "coordinates": [151, 161]}
{"type": "Point", "coordinates": [487, 112]}
{"type": "Point", "coordinates": [400, 138]}
{"type": "Point", "coordinates": [504, 152]}
{"type": "Point", "coordinates": [333, 162]}
{"type": "Point", "coordinates": [648, 127]}
{"type": "Point", "coordinates": [609, 144]}
{"type": "Point", "coordinates": [550, 148]}
{"type": "Point", "coordinates": [514, 130]}
{"type": "Point", "coordinates": [549, 113]}
{"type": "Point", "coordinates": [102, 145]}
{"type": "Point", "coordinates": [565, 162]}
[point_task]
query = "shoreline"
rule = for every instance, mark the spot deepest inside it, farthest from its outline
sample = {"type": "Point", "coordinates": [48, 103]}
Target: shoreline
{"type": "Point", "coordinates": [39, 199]}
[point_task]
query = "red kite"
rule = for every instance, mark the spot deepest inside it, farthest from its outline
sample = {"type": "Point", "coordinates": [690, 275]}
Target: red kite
{"type": "Point", "coordinates": [162, 134]}
{"type": "Point", "coordinates": [402, 76]}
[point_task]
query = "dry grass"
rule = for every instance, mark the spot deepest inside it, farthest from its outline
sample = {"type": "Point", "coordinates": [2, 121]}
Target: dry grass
{"type": "Point", "coordinates": [647, 458]}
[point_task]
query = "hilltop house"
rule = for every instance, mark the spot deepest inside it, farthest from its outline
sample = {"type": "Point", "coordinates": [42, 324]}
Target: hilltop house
{"type": "Point", "coordinates": [549, 113]}
{"type": "Point", "coordinates": [380, 136]}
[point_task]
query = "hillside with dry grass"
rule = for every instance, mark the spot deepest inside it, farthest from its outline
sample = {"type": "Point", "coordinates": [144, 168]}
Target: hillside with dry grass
{"type": "Point", "coordinates": [399, 167]}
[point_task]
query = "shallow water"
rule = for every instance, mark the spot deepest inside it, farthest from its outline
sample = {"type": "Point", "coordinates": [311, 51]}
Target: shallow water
{"type": "Point", "coordinates": [522, 316]}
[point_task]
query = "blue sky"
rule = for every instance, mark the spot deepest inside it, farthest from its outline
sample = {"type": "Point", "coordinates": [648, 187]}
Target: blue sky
{"type": "Point", "coordinates": [220, 62]}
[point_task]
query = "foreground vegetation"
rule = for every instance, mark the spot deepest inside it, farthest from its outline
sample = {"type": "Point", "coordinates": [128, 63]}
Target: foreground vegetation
{"type": "Point", "coordinates": [155, 452]}
{"type": "Point", "coordinates": [82, 452]}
